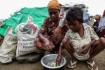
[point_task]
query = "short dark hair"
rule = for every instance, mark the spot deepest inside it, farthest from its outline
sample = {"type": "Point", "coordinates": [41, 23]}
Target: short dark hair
{"type": "Point", "coordinates": [75, 13]}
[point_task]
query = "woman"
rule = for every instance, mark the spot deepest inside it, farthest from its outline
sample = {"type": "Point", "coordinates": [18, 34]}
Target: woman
{"type": "Point", "coordinates": [51, 34]}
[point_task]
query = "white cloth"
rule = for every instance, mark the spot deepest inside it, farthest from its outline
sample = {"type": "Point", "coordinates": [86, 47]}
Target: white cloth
{"type": "Point", "coordinates": [26, 34]}
{"type": "Point", "coordinates": [79, 42]}
{"type": "Point", "coordinates": [8, 47]}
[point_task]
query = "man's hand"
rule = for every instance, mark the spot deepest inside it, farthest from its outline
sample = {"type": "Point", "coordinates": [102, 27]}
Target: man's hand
{"type": "Point", "coordinates": [58, 60]}
{"type": "Point", "coordinates": [85, 49]}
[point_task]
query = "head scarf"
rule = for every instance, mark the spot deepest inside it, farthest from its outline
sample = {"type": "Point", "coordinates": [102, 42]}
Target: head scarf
{"type": "Point", "coordinates": [104, 13]}
{"type": "Point", "coordinates": [53, 5]}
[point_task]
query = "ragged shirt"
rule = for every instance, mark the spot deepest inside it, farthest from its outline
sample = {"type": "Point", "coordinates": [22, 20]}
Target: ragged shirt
{"type": "Point", "coordinates": [78, 42]}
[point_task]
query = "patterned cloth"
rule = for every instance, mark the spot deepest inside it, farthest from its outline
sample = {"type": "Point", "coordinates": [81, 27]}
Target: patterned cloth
{"type": "Point", "coordinates": [79, 42]}
{"type": "Point", "coordinates": [48, 29]}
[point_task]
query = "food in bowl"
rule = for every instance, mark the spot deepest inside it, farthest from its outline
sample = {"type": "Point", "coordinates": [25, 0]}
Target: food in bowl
{"type": "Point", "coordinates": [52, 63]}
{"type": "Point", "coordinates": [49, 61]}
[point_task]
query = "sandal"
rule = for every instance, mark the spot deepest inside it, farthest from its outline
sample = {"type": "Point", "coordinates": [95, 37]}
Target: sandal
{"type": "Point", "coordinates": [91, 65]}
{"type": "Point", "coordinates": [72, 64]}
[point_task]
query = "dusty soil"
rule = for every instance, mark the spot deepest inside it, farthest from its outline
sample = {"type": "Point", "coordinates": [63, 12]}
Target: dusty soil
{"type": "Point", "coordinates": [100, 61]}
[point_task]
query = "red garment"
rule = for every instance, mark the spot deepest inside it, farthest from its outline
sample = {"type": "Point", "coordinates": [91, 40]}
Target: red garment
{"type": "Point", "coordinates": [101, 33]}
{"type": "Point", "coordinates": [104, 13]}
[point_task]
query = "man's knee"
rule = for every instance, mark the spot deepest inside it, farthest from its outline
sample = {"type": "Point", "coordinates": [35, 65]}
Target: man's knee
{"type": "Point", "coordinates": [64, 41]}
{"type": "Point", "coordinates": [102, 41]}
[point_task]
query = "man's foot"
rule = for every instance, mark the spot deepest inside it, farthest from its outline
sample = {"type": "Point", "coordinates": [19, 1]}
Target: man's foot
{"type": "Point", "coordinates": [92, 65]}
{"type": "Point", "coordinates": [72, 64]}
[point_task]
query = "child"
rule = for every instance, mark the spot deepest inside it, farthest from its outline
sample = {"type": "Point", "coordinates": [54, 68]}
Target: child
{"type": "Point", "coordinates": [81, 41]}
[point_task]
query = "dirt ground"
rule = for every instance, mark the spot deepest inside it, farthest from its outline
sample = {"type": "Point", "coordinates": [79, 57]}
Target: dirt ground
{"type": "Point", "coordinates": [100, 61]}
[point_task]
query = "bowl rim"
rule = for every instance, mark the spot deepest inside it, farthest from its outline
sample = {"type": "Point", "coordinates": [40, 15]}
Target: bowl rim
{"type": "Point", "coordinates": [52, 67]}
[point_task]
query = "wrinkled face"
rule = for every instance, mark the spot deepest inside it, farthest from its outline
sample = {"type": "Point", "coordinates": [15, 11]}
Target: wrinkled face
{"type": "Point", "coordinates": [74, 25]}
{"type": "Point", "coordinates": [54, 14]}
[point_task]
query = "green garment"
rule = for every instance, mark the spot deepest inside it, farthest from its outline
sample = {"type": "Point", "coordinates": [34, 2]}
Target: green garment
{"type": "Point", "coordinates": [38, 14]}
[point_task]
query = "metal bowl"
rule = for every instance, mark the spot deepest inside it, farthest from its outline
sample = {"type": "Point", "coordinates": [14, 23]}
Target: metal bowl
{"type": "Point", "coordinates": [47, 58]}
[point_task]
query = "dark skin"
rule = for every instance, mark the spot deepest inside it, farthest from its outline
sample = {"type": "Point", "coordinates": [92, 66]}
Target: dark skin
{"type": "Point", "coordinates": [58, 60]}
{"type": "Point", "coordinates": [57, 34]}
{"type": "Point", "coordinates": [95, 46]}
{"type": "Point", "coordinates": [76, 26]}
{"type": "Point", "coordinates": [54, 15]}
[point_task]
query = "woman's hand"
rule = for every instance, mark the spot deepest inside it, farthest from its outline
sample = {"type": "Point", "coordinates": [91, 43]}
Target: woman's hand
{"type": "Point", "coordinates": [57, 31]}
{"type": "Point", "coordinates": [49, 45]}
{"type": "Point", "coordinates": [57, 34]}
